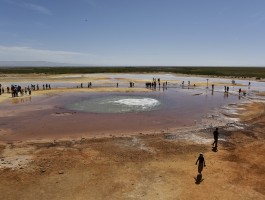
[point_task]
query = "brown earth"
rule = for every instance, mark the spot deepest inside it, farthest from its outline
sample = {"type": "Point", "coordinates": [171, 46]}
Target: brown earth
{"type": "Point", "coordinates": [138, 167]}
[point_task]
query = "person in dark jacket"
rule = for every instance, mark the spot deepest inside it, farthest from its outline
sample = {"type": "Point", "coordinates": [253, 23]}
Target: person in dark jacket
{"type": "Point", "coordinates": [201, 164]}
{"type": "Point", "coordinates": [215, 136]}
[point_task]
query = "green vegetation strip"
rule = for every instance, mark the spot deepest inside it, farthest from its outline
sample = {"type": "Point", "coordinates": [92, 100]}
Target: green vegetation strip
{"type": "Point", "coordinates": [238, 72]}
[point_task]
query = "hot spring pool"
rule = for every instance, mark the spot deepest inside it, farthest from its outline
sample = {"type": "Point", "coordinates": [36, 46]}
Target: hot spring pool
{"type": "Point", "coordinates": [120, 104]}
{"type": "Point", "coordinates": [80, 113]}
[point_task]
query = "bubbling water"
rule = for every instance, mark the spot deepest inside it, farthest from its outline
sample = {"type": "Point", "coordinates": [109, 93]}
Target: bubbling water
{"type": "Point", "coordinates": [121, 104]}
{"type": "Point", "coordinates": [143, 102]}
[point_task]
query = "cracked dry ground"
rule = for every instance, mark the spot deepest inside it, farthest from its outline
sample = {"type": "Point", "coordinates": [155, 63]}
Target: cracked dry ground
{"type": "Point", "coordinates": [139, 167]}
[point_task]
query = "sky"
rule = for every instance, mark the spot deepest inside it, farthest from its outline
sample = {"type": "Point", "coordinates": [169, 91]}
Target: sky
{"type": "Point", "coordinates": [134, 32]}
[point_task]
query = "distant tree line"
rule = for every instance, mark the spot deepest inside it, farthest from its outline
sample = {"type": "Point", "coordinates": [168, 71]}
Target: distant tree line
{"type": "Point", "coordinates": [237, 72]}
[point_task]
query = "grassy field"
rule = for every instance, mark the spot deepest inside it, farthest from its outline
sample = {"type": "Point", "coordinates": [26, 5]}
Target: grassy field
{"type": "Point", "coordinates": [238, 72]}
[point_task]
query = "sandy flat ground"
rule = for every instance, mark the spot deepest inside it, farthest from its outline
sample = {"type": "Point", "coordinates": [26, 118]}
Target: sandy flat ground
{"type": "Point", "coordinates": [143, 166]}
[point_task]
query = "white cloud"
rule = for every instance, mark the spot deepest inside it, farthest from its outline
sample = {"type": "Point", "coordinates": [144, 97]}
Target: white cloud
{"type": "Point", "coordinates": [18, 53]}
{"type": "Point", "coordinates": [38, 8]}
{"type": "Point", "coordinates": [23, 53]}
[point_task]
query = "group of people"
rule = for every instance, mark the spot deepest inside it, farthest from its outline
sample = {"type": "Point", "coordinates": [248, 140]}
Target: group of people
{"type": "Point", "coordinates": [89, 84]}
{"type": "Point", "coordinates": [189, 84]}
{"type": "Point", "coordinates": [15, 90]}
{"type": "Point", "coordinates": [44, 86]}
{"type": "Point", "coordinates": [154, 83]}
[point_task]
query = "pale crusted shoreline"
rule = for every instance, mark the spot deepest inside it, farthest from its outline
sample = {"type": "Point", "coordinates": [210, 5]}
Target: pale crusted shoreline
{"type": "Point", "coordinates": [8, 79]}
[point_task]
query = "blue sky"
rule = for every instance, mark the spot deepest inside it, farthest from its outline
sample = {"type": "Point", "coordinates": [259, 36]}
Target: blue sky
{"type": "Point", "coordinates": [134, 32]}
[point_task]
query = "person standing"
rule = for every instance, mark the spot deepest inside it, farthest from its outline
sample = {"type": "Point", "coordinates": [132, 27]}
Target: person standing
{"type": "Point", "coordinates": [201, 164]}
{"type": "Point", "coordinates": [215, 136]}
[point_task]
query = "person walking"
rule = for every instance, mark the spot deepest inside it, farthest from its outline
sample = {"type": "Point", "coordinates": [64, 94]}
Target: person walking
{"type": "Point", "coordinates": [201, 164]}
{"type": "Point", "coordinates": [215, 136]}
